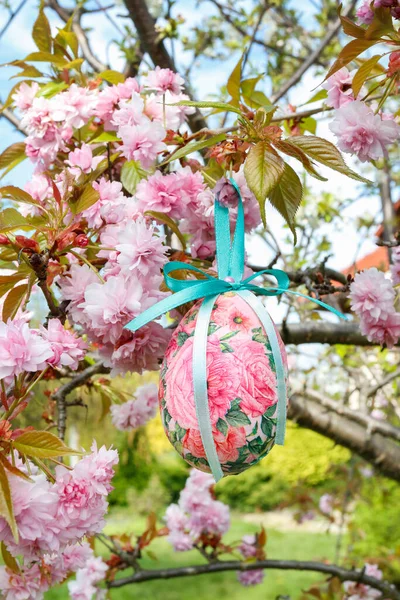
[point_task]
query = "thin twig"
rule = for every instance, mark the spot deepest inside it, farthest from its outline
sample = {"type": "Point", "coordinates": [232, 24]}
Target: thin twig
{"type": "Point", "coordinates": [12, 16]}
{"type": "Point", "coordinates": [312, 58]}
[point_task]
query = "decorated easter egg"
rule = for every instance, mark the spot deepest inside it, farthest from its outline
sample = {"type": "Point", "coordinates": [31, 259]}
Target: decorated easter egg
{"type": "Point", "coordinates": [241, 386]}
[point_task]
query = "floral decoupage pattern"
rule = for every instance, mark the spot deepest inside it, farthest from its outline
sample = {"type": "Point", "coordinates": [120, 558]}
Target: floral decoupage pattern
{"type": "Point", "coordinates": [241, 382]}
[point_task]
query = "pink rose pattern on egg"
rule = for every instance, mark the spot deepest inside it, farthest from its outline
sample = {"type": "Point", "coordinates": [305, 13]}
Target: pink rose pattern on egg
{"type": "Point", "coordinates": [241, 383]}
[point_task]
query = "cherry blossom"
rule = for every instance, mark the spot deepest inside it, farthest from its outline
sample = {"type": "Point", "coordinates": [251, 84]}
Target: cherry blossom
{"type": "Point", "coordinates": [360, 131]}
{"type": "Point", "coordinates": [163, 80]}
{"type": "Point", "coordinates": [142, 142]}
{"type": "Point", "coordinates": [137, 412]}
{"type": "Point", "coordinates": [68, 349]}
{"type": "Point", "coordinates": [22, 349]}
{"type": "Point", "coordinates": [339, 88]}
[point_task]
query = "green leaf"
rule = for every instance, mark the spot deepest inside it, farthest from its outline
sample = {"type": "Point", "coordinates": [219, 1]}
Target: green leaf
{"type": "Point", "coordinates": [13, 301]}
{"type": "Point", "coordinates": [88, 197]}
{"type": "Point", "coordinates": [222, 426]}
{"type": "Point", "coordinates": [288, 148]}
{"type": "Point", "coordinates": [256, 446]}
{"type": "Point", "coordinates": [325, 153]}
{"type": "Point", "coordinates": [266, 426]}
{"type": "Point", "coordinates": [131, 173]}
{"type": "Point", "coordinates": [271, 410]}
{"type": "Point", "coordinates": [286, 197]}
{"type": "Point", "coordinates": [75, 64]}
{"type": "Point", "coordinates": [382, 24]}
{"type": "Point", "coordinates": [52, 88]}
{"type": "Point", "coordinates": [219, 105]}
{"type": "Point", "coordinates": [233, 85]}
{"type": "Point", "coordinates": [248, 85]}
{"type": "Point", "coordinates": [195, 147]}
{"type": "Point", "coordinates": [6, 506]}
{"type": "Point", "coordinates": [11, 219]}
{"type": "Point", "coordinates": [363, 72]}
{"type": "Point", "coordinates": [111, 76]}
{"type": "Point", "coordinates": [9, 467]}
{"type": "Point", "coordinates": [69, 39]}
{"type": "Point", "coordinates": [166, 220]}
{"type": "Point", "coordinates": [349, 53]}
{"type": "Point", "coordinates": [107, 136]}
{"type": "Point", "coordinates": [27, 71]}
{"type": "Point", "coordinates": [258, 99]}
{"type": "Point", "coordinates": [321, 95]}
{"type": "Point", "coordinates": [263, 170]}
{"type": "Point", "coordinates": [42, 444]}
{"type": "Point", "coordinates": [41, 32]}
{"type": "Point", "coordinates": [54, 59]}
{"type": "Point", "coordinates": [11, 192]}
{"type": "Point", "coordinates": [236, 418]}
{"type": "Point", "coordinates": [12, 153]}
{"type": "Point", "coordinates": [351, 28]}
{"type": "Point", "coordinates": [9, 560]}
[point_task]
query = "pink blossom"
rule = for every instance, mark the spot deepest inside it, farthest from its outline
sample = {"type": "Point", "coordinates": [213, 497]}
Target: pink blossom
{"type": "Point", "coordinates": [163, 80]}
{"type": "Point", "coordinates": [26, 585]}
{"type": "Point", "coordinates": [74, 107]}
{"type": "Point", "coordinates": [226, 193]}
{"type": "Point", "coordinates": [84, 586]}
{"type": "Point", "coordinates": [360, 591]}
{"type": "Point", "coordinates": [378, 414]}
{"type": "Point", "coordinates": [372, 295]}
{"type": "Point", "coordinates": [110, 206]}
{"type": "Point", "coordinates": [170, 116]}
{"type": "Point", "coordinates": [248, 547]}
{"type": "Point", "coordinates": [212, 519]}
{"type": "Point", "coordinates": [203, 245]}
{"type": "Point", "coordinates": [339, 88]}
{"type": "Point", "coordinates": [110, 305]}
{"type": "Point", "coordinates": [130, 112]}
{"type": "Point", "coordinates": [39, 188]}
{"type": "Point", "coordinates": [175, 518]}
{"type": "Point", "coordinates": [163, 193]}
{"type": "Point", "coordinates": [254, 577]}
{"type": "Point", "coordinates": [140, 251]}
{"type": "Point", "coordinates": [25, 94]}
{"type": "Point", "coordinates": [135, 413]}
{"type": "Point", "coordinates": [82, 160]}
{"type": "Point", "coordinates": [75, 557]}
{"type": "Point", "coordinates": [21, 349]}
{"type": "Point", "coordinates": [361, 132]}
{"type": "Point", "coordinates": [143, 350]}
{"type": "Point", "coordinates": [326, 504]}
{"type": "Point", "coordinates": [68, 349]}
{"type": "Point", "coordinates": [383, 331]}
{"type": "Point", "coordinates": [35, 505]}
{"type": "Point", "coordinates": [180, 541]}
{"type": "Point", "coordinates": [142, 142]}
{"type": "Point", "coordinates": [364, 13]}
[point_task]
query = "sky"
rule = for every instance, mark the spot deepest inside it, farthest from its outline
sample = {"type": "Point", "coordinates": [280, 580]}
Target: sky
{"type": "Point", "coordinates": [17, 43]}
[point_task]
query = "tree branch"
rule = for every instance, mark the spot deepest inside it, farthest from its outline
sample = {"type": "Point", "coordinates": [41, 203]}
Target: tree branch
{"type": "Point", "coordinates": [155, 47]}
{"type": "Point", "coordinates": [372, 391]}
{"type": "Point", "coordinates": [12, 16]}
{"type": "Point", "coordinates": [65, 14]}
{"type": "Point", "coordinates": [61, 394]}
{"type": "Point", "coordinates": [375, 448]}
{"type": "Point", "coordinates": [387, 590]}
{"type": "Point", "coordinates": [313, 57]}
{"type": "Point", "coordinates": [12, 118]}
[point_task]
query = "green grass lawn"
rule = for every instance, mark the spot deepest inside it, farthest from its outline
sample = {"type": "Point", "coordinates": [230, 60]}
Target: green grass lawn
{"type": "Point", "coordinates": [221, 586]}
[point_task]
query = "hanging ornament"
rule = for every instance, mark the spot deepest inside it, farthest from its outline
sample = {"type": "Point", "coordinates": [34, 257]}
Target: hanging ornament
{"type": "Point", "coordinates": [223, 382]}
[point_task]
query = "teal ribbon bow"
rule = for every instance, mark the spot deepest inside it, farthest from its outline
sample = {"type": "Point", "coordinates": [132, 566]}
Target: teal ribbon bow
{"type": "Point", "coordinates": [230, 256]}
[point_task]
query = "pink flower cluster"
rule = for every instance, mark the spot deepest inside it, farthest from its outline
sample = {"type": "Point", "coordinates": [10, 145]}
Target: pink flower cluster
{"type": "Point", "coordinates": [372, 299]}
{"type": "Point", "coordinates": [25, 349]}
{"type": "Point", "coordinates": [248, 549]}
{"type": "Point", "coordinates": [136, 412]}
{"type": "Point", "coordinates": [365, 14]}
{"type": "Point", "coordinates": [132, 278]}
{"type": "Point", "coordinates": [360, 591]}
{"type": "Point", "coordinates": [52, 519]}
{"type": "Point", "coordinates": [362, 132]}
{"type": "Point", "coordinates": [197, 513]}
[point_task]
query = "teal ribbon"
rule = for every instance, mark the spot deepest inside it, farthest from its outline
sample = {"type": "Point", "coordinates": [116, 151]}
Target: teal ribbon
{"type": "Point", "coordinates": [230, 254]}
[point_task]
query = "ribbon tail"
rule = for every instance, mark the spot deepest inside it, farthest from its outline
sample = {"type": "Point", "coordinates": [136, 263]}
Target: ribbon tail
{"type": "Point", "coordinates": [269, 327]}
{"type": "Point", "coordinates": [200, 386]}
